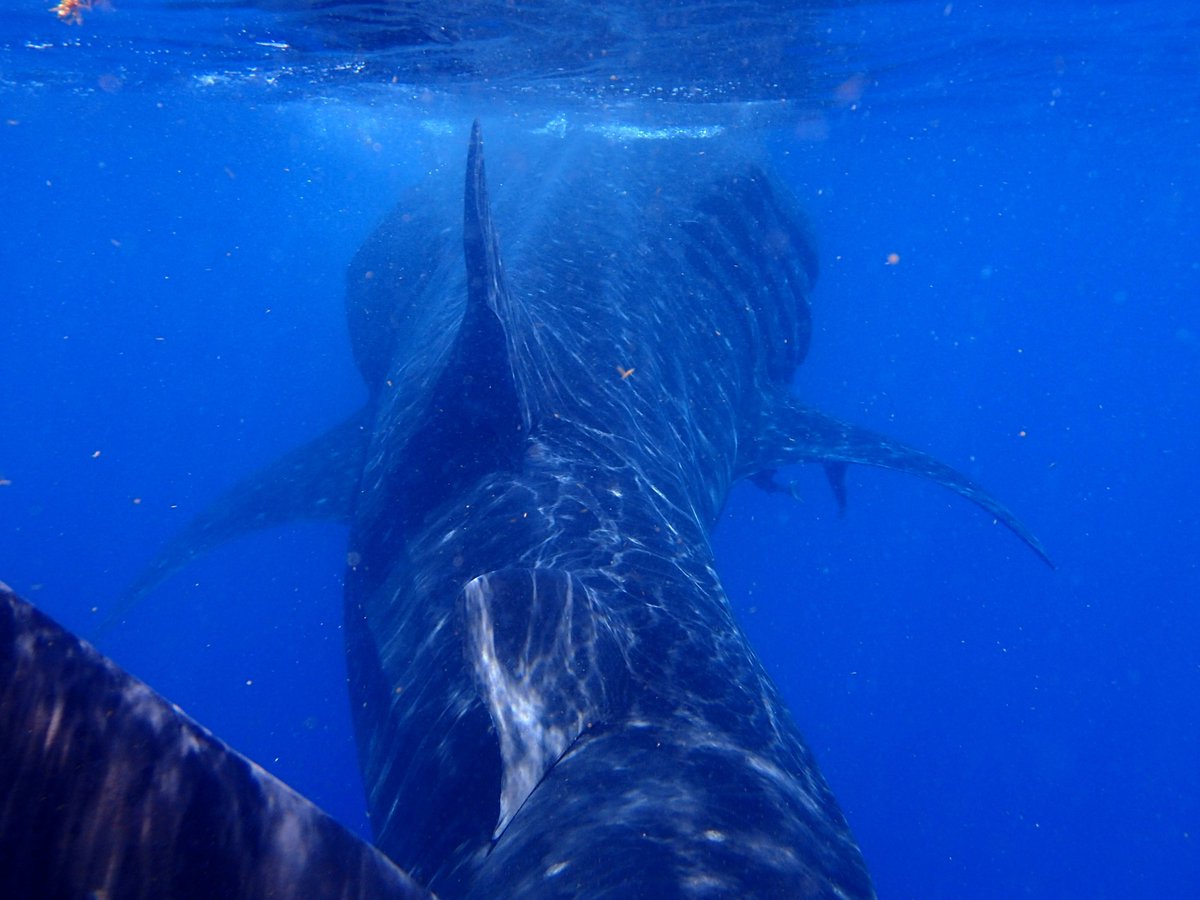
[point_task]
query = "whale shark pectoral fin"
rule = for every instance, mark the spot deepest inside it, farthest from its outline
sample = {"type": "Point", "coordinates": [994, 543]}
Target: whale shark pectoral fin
{"type": "Point", "coordinates": [798, 434]}
{"type": "Point", "coordinates": [109, 790]}
{"type": "Point", "coordinates": [318, 480]}
{"type": "Point", "coordinates": [546, 665]}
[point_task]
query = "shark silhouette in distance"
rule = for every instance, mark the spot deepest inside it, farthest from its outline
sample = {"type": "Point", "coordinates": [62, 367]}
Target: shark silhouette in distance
{"type": "Point", "coordinates": [551, 695]}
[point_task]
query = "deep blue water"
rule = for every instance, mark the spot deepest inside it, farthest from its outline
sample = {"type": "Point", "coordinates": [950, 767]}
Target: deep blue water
{"type": "Point", "coordinates": [180, 202]}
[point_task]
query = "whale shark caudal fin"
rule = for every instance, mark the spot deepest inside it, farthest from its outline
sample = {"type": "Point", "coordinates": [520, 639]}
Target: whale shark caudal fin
{"type": "Point", "coordinates": [318, 480]}
{"type": "Point", "coordinates": [799, 434]}
{"type": "Point", "coordinates": [546, 666]}
{"type": "Point", "coordinates": [107, 790]}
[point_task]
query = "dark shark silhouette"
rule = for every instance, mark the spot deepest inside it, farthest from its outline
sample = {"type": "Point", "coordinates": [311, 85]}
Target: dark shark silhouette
{"type": "Point", "coordinates": [551, 695]}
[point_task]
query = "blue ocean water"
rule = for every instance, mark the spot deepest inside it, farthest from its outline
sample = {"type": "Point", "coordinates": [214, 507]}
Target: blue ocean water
{"type": "Point", "coordinates": [1004, 197]}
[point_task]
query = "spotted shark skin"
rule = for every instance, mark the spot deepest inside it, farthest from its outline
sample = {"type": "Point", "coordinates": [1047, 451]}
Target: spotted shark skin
{"type": "Point", "coordinates": [107, 790]}
{"type": "Point", "coordinates": [551, 695]}
{"type": "Point", "coordinates": [544, 631]}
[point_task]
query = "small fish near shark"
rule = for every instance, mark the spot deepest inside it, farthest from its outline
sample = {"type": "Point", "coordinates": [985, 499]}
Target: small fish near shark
{"type": "Point", "coordinates": [551, 694]}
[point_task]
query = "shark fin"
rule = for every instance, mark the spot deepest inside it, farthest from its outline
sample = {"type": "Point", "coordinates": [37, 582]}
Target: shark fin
{"type": "Point", "coordinates": [483, 343]}
{"type": "Point", "coordinates": [799, 434]}
{"type": "Point", "coordinates": [546, 665]}
{"type": "Point", "coordinates": [111, 791]}
{"type": "Point", "coordinates": [470, 420]}
{"type": "Point", "coordinates": [318, 480]}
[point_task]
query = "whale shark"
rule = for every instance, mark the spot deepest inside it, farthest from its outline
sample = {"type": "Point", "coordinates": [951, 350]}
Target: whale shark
{"type": "Point", "coordinates": [551, 695]}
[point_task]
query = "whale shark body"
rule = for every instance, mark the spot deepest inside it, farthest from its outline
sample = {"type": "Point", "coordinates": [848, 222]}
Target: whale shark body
{"type": "Point", "coordinates": [551, 695]}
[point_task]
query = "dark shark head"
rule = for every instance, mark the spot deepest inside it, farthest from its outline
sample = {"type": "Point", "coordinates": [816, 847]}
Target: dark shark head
{"type": "Point", "coordinates": [550, 692]}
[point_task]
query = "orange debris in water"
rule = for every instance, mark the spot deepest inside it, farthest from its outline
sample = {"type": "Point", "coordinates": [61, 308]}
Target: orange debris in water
{"type": "Point", "coordinates": [71, 11]}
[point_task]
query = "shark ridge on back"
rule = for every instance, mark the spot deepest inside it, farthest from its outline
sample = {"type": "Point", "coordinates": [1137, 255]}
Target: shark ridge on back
{"type": "Point", "coordinates": [551, 695]}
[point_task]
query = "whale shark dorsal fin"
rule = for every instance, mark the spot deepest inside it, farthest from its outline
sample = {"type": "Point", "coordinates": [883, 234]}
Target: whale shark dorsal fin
{"type": "Point", "coordinates": [470, 420]}
{"type": "Point", "coordinates": [547, 667]}
{"type": "Point", "coordinates": [318, 480]}
{"type": "Point", "coordinates": [474, 399]}
{"type": "Point", "coordinates": [481, 247]}
{"type": "Point", "coordinates": [487, 288]}
{"type": "Point", "coordinates": [799, 434]}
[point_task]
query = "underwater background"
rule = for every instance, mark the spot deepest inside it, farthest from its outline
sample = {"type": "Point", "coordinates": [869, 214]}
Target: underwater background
{"type": "Point", "coordinates": [1005, 200]}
